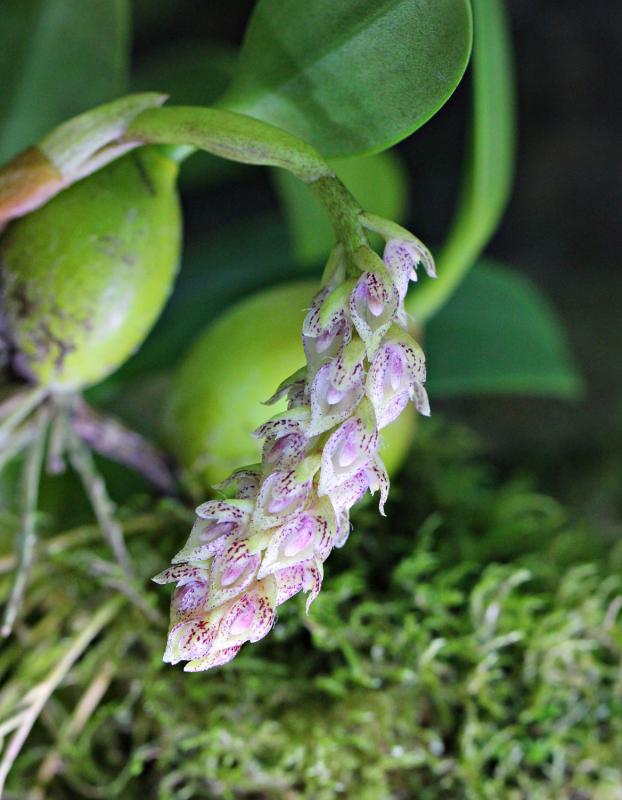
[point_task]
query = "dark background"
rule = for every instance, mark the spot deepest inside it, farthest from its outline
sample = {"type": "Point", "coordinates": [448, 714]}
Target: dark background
{"type": "Point", "coordinates": [561, 227]}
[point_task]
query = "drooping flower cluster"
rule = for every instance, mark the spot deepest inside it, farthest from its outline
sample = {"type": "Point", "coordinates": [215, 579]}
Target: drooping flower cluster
{"type": "Point", "coordinates": [247, 555]}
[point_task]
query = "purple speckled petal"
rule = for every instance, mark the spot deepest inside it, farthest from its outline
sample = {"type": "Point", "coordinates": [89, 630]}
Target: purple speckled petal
{"type": "Point", "coordinates": [311, 325]}
{"type": "Point", "coordinates": [333, 399]}
{"type": "Point", "coordinates": [305, 577]}
{"type": "Point", "coordinates": [304, 537]}
{"type": "Point", "coordinates": [314, 573]}
{"type": "Point", "coordinates": [293, 420]}
{"type": "Point", "coordinates": [379, 481]}
{"type": "Point", "coordinates": [350, 448]}
{"type": "Point", "coordinates": [188, 600]}
{"type": "Point", "coordinates": [245, 482]}
{"type": "Point", "coordinates": [289, 582]}
{"type": "Point", "coordinates": [216, 638]}
{"type": "Point", "coordinates": [208, 537]}
{"type": "Point", "coordinates": [180, 573]}
{"type": "Point", "coordinates": [281, 495]}
{"type": "Point", "coordinates": [225, 510]}
{"type": "Point", "coordinates": [373, 308]}
{"type": "Point", "coordinates": [215, 659]}
{"type": "Point", "coordinates": [232, 572]}
{"type": "Point", "coordinates": [322, 348]}
{"type": "Point", "coordinates": [248, 618]}
{"type": "Point", "coordinates": [285, 452]}
{"type": "Point", "coordinates": [396, 369]}
{"type": "Point", "coordinates": [191, 639]}
{"type": "Point", "coordinates": [403, 256]}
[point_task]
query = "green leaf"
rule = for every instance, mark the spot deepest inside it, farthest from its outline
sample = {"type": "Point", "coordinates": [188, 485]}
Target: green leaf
{"type": "Point", "coordinates": [499, 334]}
{"type": "Point", "coordinates": [57, 59]}
{"type": "Point", "coordinates": [353, 76]}
{"type": "Point", "coordinates": [489, 168]}
{"type": "Point", "coordinates": [378, 182]}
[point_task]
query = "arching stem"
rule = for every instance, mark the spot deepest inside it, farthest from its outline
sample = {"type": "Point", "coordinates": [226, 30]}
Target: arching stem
{"type": "Point", "coordinates": [28, 534]}
{"type": "Point", "coordinates": [95, 488]}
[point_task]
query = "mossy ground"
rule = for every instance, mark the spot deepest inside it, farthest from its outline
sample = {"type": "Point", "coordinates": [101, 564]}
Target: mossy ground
{"type": "Point", "coordinates": [468, 646]}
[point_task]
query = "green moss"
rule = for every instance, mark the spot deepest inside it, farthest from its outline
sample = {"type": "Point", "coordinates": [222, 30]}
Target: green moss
{"type": "Point", "coordinates": [469, 646]}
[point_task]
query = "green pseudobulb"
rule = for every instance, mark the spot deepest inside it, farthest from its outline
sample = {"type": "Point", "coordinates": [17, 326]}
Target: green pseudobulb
{"type": "Point", "coordinates": [85, 277]}
{"type": "Point", "coordinates": [217, 395]}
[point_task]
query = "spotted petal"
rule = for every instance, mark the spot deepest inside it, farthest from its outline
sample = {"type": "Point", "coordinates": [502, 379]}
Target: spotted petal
{"type": "Point", "coordinates": [285, 452]}
{"type": "Point", "coordinates": [397, 368]}
{"type": "Point", "coordinates": [281, 495]}
{"type": "Point", "coordinates": [188, 600]}
{"type": "Point", "coordinates": [214, 659]}
{"type": "Point", "coordinates": [244, 482]}
{"type": "Point", "coordinates": [373, 308]}
{"type": "Point", "coordinates": [293, 420]}
{"type": "Point", "coordinates": [327, 326]}
{"type": "Point", "coordinates": [231, 573]}
{"type": "Point", "coordinates": [350, 448]}
{"type": "Point", "coordinates": [248, 618]}
{"type": "Point", "coordinates": [180, 574]}
{"type": "Point", "coordinates": [306, 536]}
{"type": "Point", "coordinates": [403, 256]}
{"type": "Point", "coordinates": [191, 639]}
{"type": "Point", "coordinates": [336, 391]}
{"type": "Point", "coordinates": [218, 525]}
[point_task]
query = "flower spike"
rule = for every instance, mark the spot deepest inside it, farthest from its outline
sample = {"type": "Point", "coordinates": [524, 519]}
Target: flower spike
{"type": "Point", "coordinates": [247, 555]}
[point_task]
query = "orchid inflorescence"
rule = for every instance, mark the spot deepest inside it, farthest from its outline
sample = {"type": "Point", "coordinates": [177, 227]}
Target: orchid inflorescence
{"type": "Point", "coordinates": [248, 554]}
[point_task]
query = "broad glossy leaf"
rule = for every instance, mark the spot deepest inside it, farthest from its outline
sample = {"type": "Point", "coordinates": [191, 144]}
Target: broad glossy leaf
{"type": "Point", "coordinates": [489, 167]}
{"type": "Point", "coordinates": [57, 59]}
{"type": "Point", "coordinates": [378, 182]}
{"type": "Point", "coordinates": [353, 76]}
{"type": "Point", "coordinates": [499, 334]}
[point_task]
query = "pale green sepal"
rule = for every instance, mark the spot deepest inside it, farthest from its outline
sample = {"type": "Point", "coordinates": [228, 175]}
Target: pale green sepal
{"type": "Point", "coordinates": [336, 302]}
{"type": "Point", "coordinates": [308, 467]}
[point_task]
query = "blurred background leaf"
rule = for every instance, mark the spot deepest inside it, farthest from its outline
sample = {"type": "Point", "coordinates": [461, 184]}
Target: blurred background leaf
{"type": "Point", "coordinates": [57, 59]}
{"type": "Point", "coordinates": [351, 77]}
{"type": "Point", "coordinates": [196, 74]}
{"type": "Point", "coordinates": [499, 334]}
{"type": "Point", "coordinates": [489, 167]}
{"type": "Point", "coordinates": [378, 182]}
